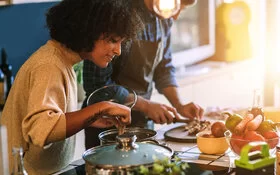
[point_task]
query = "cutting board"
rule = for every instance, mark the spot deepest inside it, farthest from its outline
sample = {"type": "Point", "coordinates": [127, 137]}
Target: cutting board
{"type": "Point", "coordinates": [179, 134]}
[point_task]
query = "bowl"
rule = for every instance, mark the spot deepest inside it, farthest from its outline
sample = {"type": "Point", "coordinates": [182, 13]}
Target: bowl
{"type": "Point", "coordinates": [211, 145]}
{"type": "Point", "coordinates": [236, 143]}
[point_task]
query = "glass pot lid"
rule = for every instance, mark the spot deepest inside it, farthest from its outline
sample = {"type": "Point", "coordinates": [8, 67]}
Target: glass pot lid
{"type": "Point", "coordinates": [109, 136]}
{"type": "Point", "coordinates": [125, 153]}
{"type": "Point", "coordinates": [114, 93]}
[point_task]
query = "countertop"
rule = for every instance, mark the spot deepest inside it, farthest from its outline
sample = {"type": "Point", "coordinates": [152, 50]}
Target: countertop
{"type": "Point", "coordinates": [188, 152]}
{"type": "Point", "coordinates": [222, 164]}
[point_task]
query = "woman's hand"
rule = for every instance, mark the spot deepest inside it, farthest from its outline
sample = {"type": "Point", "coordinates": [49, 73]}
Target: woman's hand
{"type": "Point", "coordinates": [115, 114]}
{"type": "Point", "coordinates": [160, 113]}
{"type": "Point", "coordinates": [191, 110]}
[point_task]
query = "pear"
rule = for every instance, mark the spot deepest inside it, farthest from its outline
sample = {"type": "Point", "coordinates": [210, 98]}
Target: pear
{"type": "Point", "coordinates": [232, 121]}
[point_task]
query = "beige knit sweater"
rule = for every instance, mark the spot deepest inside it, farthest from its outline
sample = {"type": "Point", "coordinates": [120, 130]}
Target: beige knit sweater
{"type": "Point", "coordinates": [34, 114]}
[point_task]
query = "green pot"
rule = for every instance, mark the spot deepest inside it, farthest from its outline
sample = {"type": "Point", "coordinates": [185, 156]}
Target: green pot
{"type": "Point", "coordinates": [124, 156]}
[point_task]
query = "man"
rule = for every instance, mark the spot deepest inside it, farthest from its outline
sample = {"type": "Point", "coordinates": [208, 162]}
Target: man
{"type": "Point", "coordinates": [148, 62]}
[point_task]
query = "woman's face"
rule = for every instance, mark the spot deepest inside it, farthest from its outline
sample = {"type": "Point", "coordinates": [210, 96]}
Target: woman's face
{"type": "Point", "coordinates": [105, 49]}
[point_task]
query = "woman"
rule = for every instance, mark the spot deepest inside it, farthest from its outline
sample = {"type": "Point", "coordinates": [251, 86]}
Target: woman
{"type": "Point", "coordinates": [41, 111]}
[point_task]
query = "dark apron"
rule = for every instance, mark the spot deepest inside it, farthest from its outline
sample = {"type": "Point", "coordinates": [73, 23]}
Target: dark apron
{"type": "Point", "coordinates": [146, 55]}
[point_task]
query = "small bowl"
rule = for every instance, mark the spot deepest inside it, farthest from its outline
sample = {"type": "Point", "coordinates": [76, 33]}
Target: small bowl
{"type": "Point", "coordinates": [236, 144]}
{"type": "Point", "coordinates": [211, 145]}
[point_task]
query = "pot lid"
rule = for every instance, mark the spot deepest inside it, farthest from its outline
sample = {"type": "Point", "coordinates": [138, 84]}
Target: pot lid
{"type": "Point", "coordinates": [109, 136]}
{"type": "Point", "coordinates": [126, 153]}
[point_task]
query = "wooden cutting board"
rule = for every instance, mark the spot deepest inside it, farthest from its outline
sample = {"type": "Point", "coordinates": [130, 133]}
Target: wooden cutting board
{"type": "Point", "coordinates": [179, 134]}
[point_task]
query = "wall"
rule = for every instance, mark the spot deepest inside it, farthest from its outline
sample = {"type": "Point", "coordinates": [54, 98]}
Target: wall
{"type": "Point", "coordinates": [23, 30]}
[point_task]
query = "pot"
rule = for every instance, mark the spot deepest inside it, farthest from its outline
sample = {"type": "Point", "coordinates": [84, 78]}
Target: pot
{"type": "Point", "coordinates": [123, 157]}
{"type": "Point", "coordinates": [142, 134]}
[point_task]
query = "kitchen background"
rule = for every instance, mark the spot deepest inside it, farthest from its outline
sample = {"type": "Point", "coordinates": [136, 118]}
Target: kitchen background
{"type": "Point", "coordinates": [225, 84]}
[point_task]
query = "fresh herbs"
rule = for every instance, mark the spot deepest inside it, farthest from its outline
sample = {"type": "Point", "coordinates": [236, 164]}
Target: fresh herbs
{"type": "Point", "coordinates": [165, 167]}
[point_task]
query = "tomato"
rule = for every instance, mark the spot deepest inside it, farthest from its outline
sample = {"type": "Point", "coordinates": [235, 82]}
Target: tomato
{"type": "Point", "coordinates": [237, 142]}
{"type": "Point", "coordinates": [253, 136]}
{"type": "Point", "coordinates": [271, 138]}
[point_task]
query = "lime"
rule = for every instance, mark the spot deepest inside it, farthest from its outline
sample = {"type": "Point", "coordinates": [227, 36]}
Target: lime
{"type": "Point", "coordinates": [232, 121]}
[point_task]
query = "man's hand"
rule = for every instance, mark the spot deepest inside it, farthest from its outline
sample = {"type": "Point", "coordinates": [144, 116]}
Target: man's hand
{"type": "Point", "coordinates": [160, 113]}
{"type": "Point", "coordinates": [190, 110]}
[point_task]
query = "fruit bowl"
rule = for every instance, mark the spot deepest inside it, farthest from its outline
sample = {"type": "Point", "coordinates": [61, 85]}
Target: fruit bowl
{"type": "Point", "coordinates": [236, 142]}
{"type": "Point", "coordinates": [209, 144]}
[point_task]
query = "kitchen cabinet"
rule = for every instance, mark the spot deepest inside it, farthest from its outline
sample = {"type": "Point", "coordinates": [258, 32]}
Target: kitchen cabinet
{"type": "Point", "coordinates": [224, 85]}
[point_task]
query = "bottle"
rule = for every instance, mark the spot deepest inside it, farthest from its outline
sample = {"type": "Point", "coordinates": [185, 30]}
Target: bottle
{"type": "Point", "coordinates": [3, 90]}
{"type": "Point", "coordinates": [277, 163]}
{"type": "Point", "coordinates": [256, 108]}
{"type": "Point", "coordinates": [7, 70]}
{"type": "Point", "coordinates": [18, 167]}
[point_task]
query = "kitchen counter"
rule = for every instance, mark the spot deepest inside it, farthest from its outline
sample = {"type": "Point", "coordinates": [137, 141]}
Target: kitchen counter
{"type": "Point", "coordinates": [190, 153]}
{"type": "Point", "coordinates": [222, 164]}
{"type": "Point", "coordinates": [186, 151]}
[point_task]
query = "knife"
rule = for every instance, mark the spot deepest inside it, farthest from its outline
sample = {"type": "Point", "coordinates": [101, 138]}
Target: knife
{"type": "Point", "coordinates": [175, 120]}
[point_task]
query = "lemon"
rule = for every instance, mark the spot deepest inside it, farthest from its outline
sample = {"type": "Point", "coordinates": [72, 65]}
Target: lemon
{"type": "Point", "coordinates": [232, 121]}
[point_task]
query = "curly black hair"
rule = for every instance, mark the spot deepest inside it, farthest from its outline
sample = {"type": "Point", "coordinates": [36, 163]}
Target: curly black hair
{"type": "Point", "coordinates": [79, 23]}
